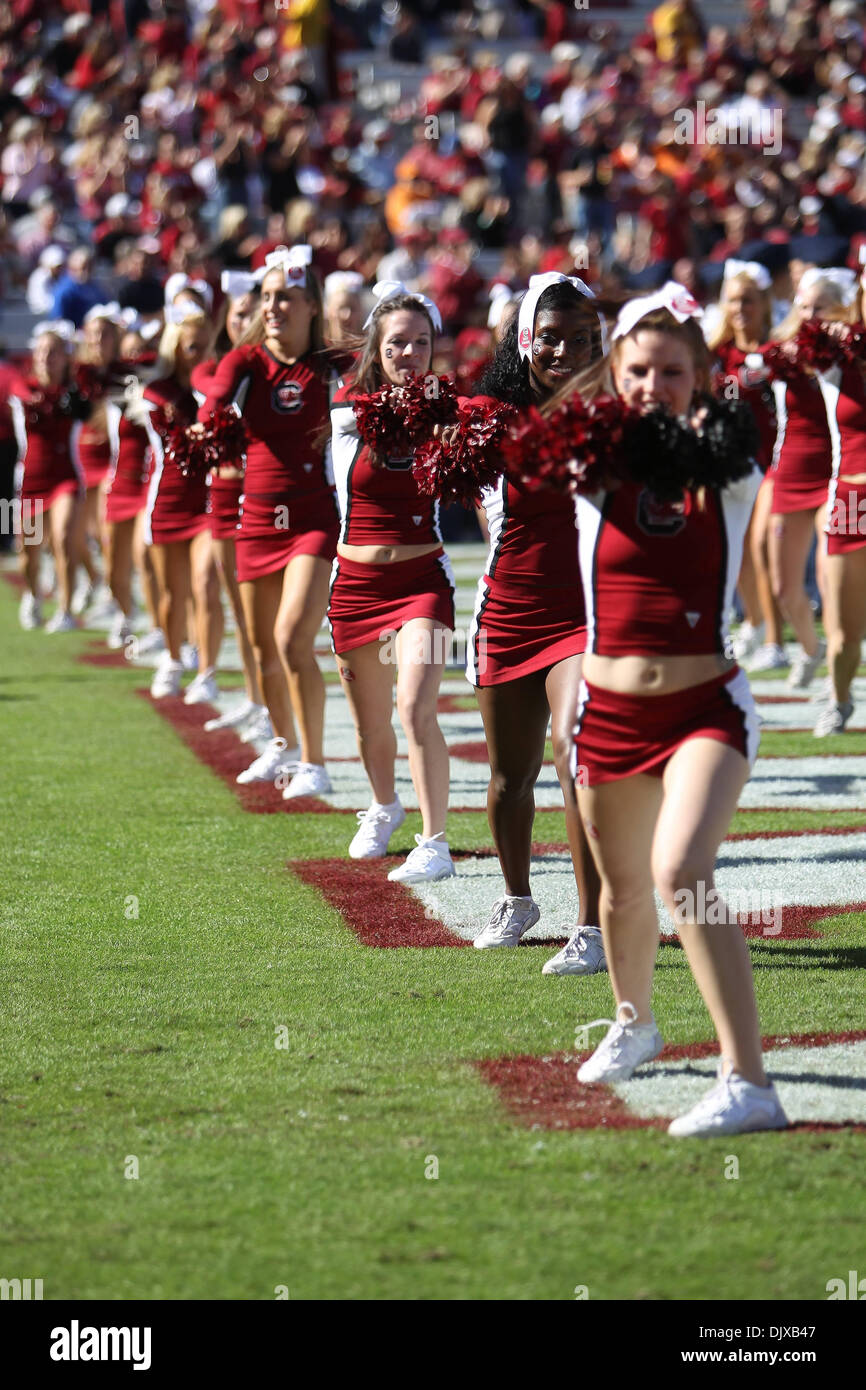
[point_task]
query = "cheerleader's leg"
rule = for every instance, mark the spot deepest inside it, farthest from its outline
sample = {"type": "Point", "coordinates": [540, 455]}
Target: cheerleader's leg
{"type": "Point", "coordinates": [702, 785]}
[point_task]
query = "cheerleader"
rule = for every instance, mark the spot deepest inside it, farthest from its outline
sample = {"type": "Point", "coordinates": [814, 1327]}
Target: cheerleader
{"type": "Point", "coordinates": [801, 476]}
{"type": "Point", "coordinates": [288, 527]}
{"type": "Point", "coordinates": [529, 627]}
{"type": "Point", "coordinates": [224, 500]}
{"type": "Point", "coordinates": [47, 413]}
{"type": "Point", "coordinates": [666, 729]}
{"type": "Point", "coordinates": [126, 490]}
{"type": "Point", "coordinates": [746, 316]}
{"type": "Point", "coordinates": [844, 391]}
{"type": "Point", "coordinates": [176, 523]}
{"type": "Point", "coordinates": [99, 353]}
{"type": "Point", "coordinates": [126, 494]}
{"type": "Point", "coordinates": [392, 590]}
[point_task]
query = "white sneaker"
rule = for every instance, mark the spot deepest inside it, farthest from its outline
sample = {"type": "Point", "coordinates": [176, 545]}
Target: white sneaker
{"type": "Point", "coordinates": [189, 656]}
{"type": "Point", "coordinates": [625, 1046]}
{"type": "Point", "coordinates": [119, 633]}
{"type": "Point", "coordinates": [203, 690]}
{"type": "Point", "coordinates": [428, 862]}
{"type": "Point", "coordinates": [234, 717]}
{"type": "Point", "coordinates": [260, 726]}
{"type": "Point", "coordinates": [166, 680]}
{"type": "Point", "coordinates": [826, 694]}
{"type": "Point", "coordinates": [747, 640]}
{"type": "Point", "coordinates": [733, 1106]}
{"type": "Point", "coordinates": [804, 668]}
{"type": "Point", "coordinates": [582, 955]}
{"type": "Point", "coordinates": [151, 644]}
{"type": "Point", "coordinates": [62, 621]}
{"type": "Point", "coordinates": [30, 612]}
{"type": "Point", "coordinates": [310, 779]}
{"type": "Point", "coordinates": [510, 918]}
{"type": "Point", "coordinates": [833, 718]}
{"type": "Point", "coordinates": [83, 595]}
{"type": "Point", "coordinates": [769, 658]}
{"type": "Point", "coordinates": [376, 825]}
{"type": "Point", "coordinates": [266, 767]}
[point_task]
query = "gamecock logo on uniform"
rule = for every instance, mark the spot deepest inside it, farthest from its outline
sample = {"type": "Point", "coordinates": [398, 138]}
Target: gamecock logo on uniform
{"type": "Point", "coordinates": [288, 397]}
{"type": "Point", "coordinates": [657, 518]}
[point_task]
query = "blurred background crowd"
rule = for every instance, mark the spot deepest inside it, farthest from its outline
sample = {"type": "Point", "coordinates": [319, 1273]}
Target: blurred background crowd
{"type": "Point", "coordinates": [458, 146]}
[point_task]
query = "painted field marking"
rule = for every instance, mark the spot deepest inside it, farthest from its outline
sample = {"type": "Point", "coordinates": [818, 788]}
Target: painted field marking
{"type": "Point", "coordinates": [820, 1077]}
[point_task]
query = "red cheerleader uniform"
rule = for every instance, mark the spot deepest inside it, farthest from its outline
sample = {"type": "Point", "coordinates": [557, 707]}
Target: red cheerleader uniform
{"type": "Point", "coordinates": [176, 504]}
{"type": "Point", "coordinates": [382, 506]}
{"type": "Point", "coordinates": [529, 611]}
{"type": "Point", "coordinates": [288, 506]}
{"type": "Point", "coordinates": [802, 462]}
{"type": "Point", "coordinates": [131, 463]}
{"type": "Point", "coordinates": [47, 422]}
{"type": "Point", "coordinates": [94, 444]}
{"type": "Point", "coordinates": [759, 398]}
{"type": "Point", "coordinates": [224, 494]}
{"type": "Point", "coordinates": [844, 391]}
{"type": "Point", "coordinates": [658, 580]}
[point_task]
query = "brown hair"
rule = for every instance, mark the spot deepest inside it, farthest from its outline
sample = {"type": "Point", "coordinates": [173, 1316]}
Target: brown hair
{"type": "Point", "coordinates": [368, 375]}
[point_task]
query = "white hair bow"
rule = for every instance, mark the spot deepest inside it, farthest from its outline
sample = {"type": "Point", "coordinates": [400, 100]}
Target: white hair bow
{"type": "Point", "coordinates": [753, 270]}
{"type": "Point", "coordinates": [185, 309]}
{"type": "Point", "coordinates": [178, 282]}
{"type": "Point", "coordinates": [529, 304]}
{"type": "Point", "coordinates": [111, 311]}
{"type": "Point", "coordinates": [674, 297]}
{"type": "Point", "coordinates": [61, 328]}
{"type": "Point", "coordinates": [235, 283]}
{"type": "Point", "coordinates": [343, 282]}
{"type": "Point", "coordinates": [390, 289]}
{"type": "Point", "coordinates": [293, 262]}
{"type": "Point", "coordinates": [843, 280]}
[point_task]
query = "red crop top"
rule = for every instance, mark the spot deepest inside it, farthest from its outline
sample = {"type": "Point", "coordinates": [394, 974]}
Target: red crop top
{"type": "Point", "coordinates": [284, 410]}
{"type": "Point", "coordinates": [378, 505]}
{"type": "Point", "coordinates": [659, 577]}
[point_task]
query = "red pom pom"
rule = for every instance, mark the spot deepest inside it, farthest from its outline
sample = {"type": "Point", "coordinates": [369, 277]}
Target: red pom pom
{"type": "Point", "coordinates": [456, 467]}
{"type": "Point", "coordinates": [379, 425]}
{"type": "Point", "coordinates": [223, 441]}
{"type": "Point", "coordinates": [394, 421]}
{"type": "Point", "coordinates": [579, 448]}
{"type": "Point", "coordinates": [816, 348]}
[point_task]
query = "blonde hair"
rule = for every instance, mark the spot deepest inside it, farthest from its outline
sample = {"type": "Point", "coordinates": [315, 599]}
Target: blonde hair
{"type": "Point", "coordinates": [840, 312]}
{"type": "Point", "coordinates": [166, 358]}
{"type": "Point", "coordinates": [724, 332]}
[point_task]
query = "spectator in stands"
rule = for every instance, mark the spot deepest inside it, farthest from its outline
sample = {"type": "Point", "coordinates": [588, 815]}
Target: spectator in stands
{"type": "Point", "coordinates": [43, 282]}
{"type": "Point", "coordinates": [140, 288]}
{"type": "Point", "coordinates": [77, 291]}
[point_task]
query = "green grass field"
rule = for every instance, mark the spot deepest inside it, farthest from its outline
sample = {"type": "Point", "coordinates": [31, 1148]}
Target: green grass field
{"type": "Point", "coordinates": [156, 948]}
